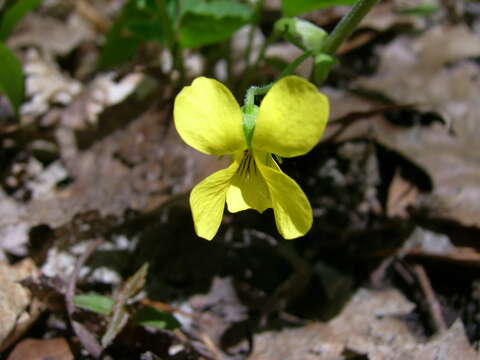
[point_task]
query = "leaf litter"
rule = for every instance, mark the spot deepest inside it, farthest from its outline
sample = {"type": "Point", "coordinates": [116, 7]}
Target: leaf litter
{"type": "Point", "coordinates": [394, 187]}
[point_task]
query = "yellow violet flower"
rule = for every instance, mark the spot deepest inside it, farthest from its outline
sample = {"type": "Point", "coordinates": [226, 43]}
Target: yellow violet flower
{"type": "Point", "coordinates": [290, 121]}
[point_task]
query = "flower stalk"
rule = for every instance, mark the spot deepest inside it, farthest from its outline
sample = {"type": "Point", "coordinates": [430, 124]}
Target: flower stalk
{"type": "Point", "coordinates": [347, 25]}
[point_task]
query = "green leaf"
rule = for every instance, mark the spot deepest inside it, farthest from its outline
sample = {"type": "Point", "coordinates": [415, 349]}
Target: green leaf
{"type": "Point", "coordinates": [120, 314]}
{"type": "Point", "coordinates": [96, 303]}
{"type": "Point", "coordinates": [11, 77]}
{"type": "Point", "coordinates": [423, 9]}
{"type": "Point", "coordinates": [149, 316]}
{"type": "Point", "coordinates": [13, 14]}
{"type": "Point", "coordinates": [139, 21]}
{"type": "Point", "coordinates": [221, 9]}
{"type": "Point", "coordinates": [206, 23]}
{"type": "Point", "coordinates": [119, 47]}
{"type": "Point", "coordinates": [296, 7]}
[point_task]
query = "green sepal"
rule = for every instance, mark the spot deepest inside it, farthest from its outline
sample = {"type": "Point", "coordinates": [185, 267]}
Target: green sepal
{"type": "Point", "coordinates": [311, 36]}
{"type": "Point", "coordinates": [249, 119]}
{"type": "Point", "coordinates": [323, 64]}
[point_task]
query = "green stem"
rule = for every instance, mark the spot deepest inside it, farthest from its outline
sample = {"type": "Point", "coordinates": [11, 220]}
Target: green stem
{"type": "Point", "coordinates": [251, 68]}
{"type": "Point", "coordinates": [262, 90]}
{"type": "Point", "coordinates": [251, 33]}
{"type": "Point", "coordinates": [347, 25]}
{"type": "Point", "coordinates": [292, 66]}
{"type": "Point", "coordinates": [341, 32]}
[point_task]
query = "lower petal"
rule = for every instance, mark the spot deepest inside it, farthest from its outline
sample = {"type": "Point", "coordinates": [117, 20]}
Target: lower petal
{"type": "Point", "coordinates": [207, 201]}
{"type": "Point", "coordinates": [248, 189]}
{"type": "Point", "coordinates": [293, 213]}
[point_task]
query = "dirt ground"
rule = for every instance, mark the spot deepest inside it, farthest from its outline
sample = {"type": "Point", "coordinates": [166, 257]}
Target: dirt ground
{"type": "Point", "coordinates": [98, 254]}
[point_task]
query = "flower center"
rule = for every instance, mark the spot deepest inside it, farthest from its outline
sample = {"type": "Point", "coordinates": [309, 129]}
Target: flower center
{"type": "Point", "coordinates": [247, 165]}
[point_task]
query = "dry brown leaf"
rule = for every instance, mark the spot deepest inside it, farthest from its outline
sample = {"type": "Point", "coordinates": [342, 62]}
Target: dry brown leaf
{"type": "Point", "coordinates": [452, 344]}
{"type": "Point", "coordinates": [35, 349]}
{"type": "Point", "coordinates": [46, 85]}
{"type": "Point", "coordinates": [418, 71]}
{"type": "Point", "coordinates": [385, 15]}
{"type": "Point", "coordinates": [312, 342]}
{"type": "Point", "coordinates": [451, 162]}
{"type": "Point", "coordinates": [351, 116]}
{"type": "Point", "coordinates": [101, 93]}
{"type": "Point", "coordinates": [426, 243]}
{"type": "Point", "coordinates": [401, 194]}
{"type": "Point", "coordinates": [63, 36]}
{"type": "Point", "coordinates": [15, 317]}
{"type": "Point", "coordinates": [412, 71]}
{"type": "Point", "coordinates": [370, 325]}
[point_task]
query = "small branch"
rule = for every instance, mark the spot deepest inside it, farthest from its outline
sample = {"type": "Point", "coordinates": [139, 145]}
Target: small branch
{"type": "Point", "coordinates": [433, 304]}
{"type": "Point", "coordinates": [347, 25]}
{"type": "Point", "coordinates": [84, 336]}
{"type": "Point", "coordinates": [92, 15]}
{"type": "Point", "coordinates": [250, 69]}
{"type": "Point", "coordinates": [262, 90]}
{"type": "Point", "coordinates": [290, 68]}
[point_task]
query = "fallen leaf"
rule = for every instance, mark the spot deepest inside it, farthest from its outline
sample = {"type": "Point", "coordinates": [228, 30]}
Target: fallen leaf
{"type": "Point", "coordinates": [401, 194]}
{"type": "Point", "coordinates": [15, 317]}
{"type": "Point", "coordinates": [312, 342]}
{"type": "Point", "coordinates": [46, 85]}
{"type": "Point", "coordinates": [63, 36]}
{"type": "Point", "coordinates": [386, 15]}
{"type": "Point", "coordinates": [371, 323]}
{"type": "Point", "coordinates": [36, 349]}
{"type": "Point", "coordinates": [426, 243]}
{"type": "Point", "coordinates": [412, 71]}
{"type": "Point", "coordinates": [446, 346]}
{"type": "Point", "coordinates": [426, 72]}
{"type": "Point", "coordinates": [370, 326]}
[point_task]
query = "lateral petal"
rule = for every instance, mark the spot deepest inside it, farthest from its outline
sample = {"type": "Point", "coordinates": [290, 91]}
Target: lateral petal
{"type": "Point", "coordinates": [208, 118]}
{"type": "Point", "coordinates": [293, 213]}
{"type": "Point", "coordinates": [291, 119]}
{"type": "Point", "coordinates": [207, 201]}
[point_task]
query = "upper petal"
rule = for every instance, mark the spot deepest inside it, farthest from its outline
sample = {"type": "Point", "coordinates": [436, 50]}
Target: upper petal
{"type": "Point", "coordinates": [207, 201]}
{"type": "Point", "coordinates": [291, 119]}
{"type": "Point", "coordinates": [208, 118]}
{"type": "Point", "coordinates": [248, 189]}
{"type": "Point", "coordinates": [293, 213]}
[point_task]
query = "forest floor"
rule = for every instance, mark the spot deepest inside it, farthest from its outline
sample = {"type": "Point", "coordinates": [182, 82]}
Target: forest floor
{"type": "Point", "coordinates": [95, 183]}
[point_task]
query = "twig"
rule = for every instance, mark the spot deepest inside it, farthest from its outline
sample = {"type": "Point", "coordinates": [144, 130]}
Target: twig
{"type": "Point", "coordinates": [166, 307]}
{"type": "Point", "coordinates": [84, 336]}
{"type": "Point", "coordinates": [217, 354]}
{"type": "Point", "coordinates": [434, 307]}
{"type": "Point", "coordinates": [378, 275]}
{"type": "Point", "coordinates": [404, 273]}
{"type": "Point", "coordinates": [91, 14]}
{"type": "Point", "coordinates": [200, 347]}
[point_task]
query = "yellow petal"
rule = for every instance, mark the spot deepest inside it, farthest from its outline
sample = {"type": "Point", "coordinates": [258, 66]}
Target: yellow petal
{"type": "Point", "coordinates": [207, 201]}
{"type": "Point", "coordinates": [248, 189]}
{"type": "Point", "coordinates": [291, 119]}
{"type": "Point", "coordinates": [208, 118]}
{"type": "Point", "coordinates": [293, 213]}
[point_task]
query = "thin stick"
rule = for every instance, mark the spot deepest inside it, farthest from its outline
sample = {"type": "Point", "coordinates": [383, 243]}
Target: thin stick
{"type": "Point", "coordinates": [433, 304]}
{"type": "Point", "coordinates": [84, 336]}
